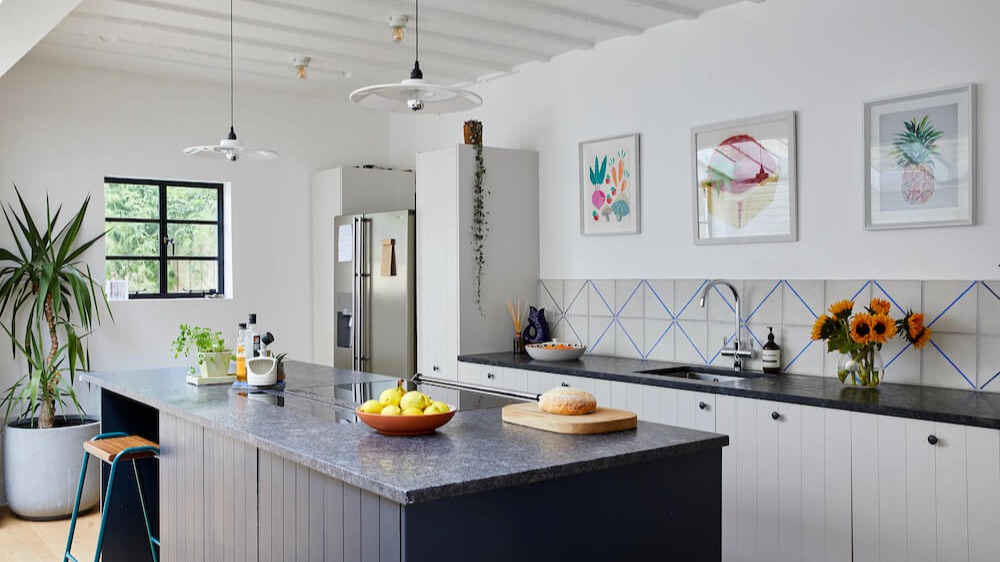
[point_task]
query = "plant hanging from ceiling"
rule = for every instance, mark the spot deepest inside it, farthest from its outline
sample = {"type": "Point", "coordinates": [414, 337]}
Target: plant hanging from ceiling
{"type": "Point", "coordinates": [474, 136]}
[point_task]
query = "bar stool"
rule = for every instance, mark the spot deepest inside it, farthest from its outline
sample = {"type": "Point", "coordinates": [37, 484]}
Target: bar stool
{"type": "Point", "coordinates": [111, 448]}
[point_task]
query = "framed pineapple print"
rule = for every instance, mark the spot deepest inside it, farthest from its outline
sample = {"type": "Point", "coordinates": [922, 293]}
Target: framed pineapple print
{"type": "Point", "coordinates": [609, 186]}
{"type": "Point", "coordinates": [920, 159]}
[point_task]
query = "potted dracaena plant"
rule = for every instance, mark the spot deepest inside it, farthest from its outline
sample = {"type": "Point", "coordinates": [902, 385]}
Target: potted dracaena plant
{"type": "Point", "coordinates": [49, 302]}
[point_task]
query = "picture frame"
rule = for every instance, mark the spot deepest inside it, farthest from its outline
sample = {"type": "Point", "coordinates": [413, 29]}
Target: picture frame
{"type": "Point", "coordinates": [610, 186]}
{"type": "Point", "coordinates": [745, 187]}
{"type": "Point", "coordinates": [920, 159]}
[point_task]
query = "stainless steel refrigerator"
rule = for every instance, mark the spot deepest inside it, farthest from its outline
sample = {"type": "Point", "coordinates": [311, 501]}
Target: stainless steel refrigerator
{"type": "Point", "coordinates": [374, 298]}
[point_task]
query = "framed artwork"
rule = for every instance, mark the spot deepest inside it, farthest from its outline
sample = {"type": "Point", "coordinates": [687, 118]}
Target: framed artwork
{"type": "Point", "coordinates": [609, 186]}
{"type": "Point", "coordinates": [745, 189]}
{"type": "Point", "coordinates": [920, 159]}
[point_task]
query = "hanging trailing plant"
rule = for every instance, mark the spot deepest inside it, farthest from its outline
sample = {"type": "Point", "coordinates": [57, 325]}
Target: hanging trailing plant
{"type": "Point", "coordinates": [474, 136]}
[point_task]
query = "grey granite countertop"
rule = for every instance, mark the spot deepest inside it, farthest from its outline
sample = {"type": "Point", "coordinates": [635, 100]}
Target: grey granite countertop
{"type": "Point", "coordinates": [921, 402]}
{"type": "Point", "coordinates": [474, 452]}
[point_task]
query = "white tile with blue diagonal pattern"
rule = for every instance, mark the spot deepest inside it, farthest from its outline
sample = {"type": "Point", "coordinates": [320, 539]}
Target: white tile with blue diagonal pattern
{"type": "Point", "coordinates": [660, 319]}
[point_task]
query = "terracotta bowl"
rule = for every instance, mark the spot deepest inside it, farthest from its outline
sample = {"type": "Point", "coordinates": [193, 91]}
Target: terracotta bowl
{"type": "Point", "coordinates": [406, 425]}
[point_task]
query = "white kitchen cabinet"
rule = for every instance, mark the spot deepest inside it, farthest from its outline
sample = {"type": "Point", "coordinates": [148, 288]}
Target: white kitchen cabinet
{"type": "Point", "coordinates": [449, 322]}
{"type": "Point", "coordinates": [336, 192]}
{"type": "Point", "coordinates": [694, 410]}
{"type": "Point", "coordinates": [786, 481]}
{"type": "Point", "coordinates": [924, 490]}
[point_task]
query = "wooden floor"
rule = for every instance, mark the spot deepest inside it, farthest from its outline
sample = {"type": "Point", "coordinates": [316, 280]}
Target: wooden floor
{"type": "Point", "coordinates": [33, 541]}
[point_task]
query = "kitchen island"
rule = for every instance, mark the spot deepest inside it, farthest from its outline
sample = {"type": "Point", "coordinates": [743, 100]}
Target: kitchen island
{"type": "Point", "coordinates": [246, 477]}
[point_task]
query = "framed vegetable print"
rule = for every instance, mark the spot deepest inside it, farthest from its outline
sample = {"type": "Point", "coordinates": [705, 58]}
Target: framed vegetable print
{"type": "Point", "coordinates": [609, 186]}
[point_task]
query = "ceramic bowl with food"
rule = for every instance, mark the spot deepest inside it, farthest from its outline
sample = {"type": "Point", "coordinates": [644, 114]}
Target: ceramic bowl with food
{"type": "Point", "coordinates": [406, 425]}
{"type": "Point", "coordinates": [555, 350]}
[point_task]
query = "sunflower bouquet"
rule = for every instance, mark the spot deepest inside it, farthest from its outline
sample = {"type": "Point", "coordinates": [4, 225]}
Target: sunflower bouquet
{"type": "Point", "coordinates": [860, 337]}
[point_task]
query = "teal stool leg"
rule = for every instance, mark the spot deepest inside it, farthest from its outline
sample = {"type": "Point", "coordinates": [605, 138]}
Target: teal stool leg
{"type": "Point", "coordinates": [104, 510]}
{"type": "Point", "coordinates": [153, 541]}
{"type": "Point", "coordinates": [76, 509]}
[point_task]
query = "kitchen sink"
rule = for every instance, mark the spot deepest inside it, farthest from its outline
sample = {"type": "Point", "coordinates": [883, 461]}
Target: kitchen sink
{"type": "Point", "coordinates": [703, 376]}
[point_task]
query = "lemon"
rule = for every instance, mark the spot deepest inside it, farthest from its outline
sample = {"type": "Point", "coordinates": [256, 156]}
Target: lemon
{"type": "Point", "coordinates": [391, 396]}
{"type": "Point", "coordinates": [391, 410]}
{"type": "Point", "coordinates": [414, 399]}
{"type": "Point", "coordinates": [442, 407]}
{"type": "Point", "coordinates": [371, 407]}
{"type": "Point", "coordinates": [413, 412]}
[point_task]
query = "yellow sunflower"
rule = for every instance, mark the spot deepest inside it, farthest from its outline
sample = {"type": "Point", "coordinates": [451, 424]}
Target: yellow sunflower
{"type": "Point", "coordinates": [880, 306]}
{"type": "Point", "coordinates": [822, 328]}
{"type": "Point", "coordinates": [882, 328]}
{"type": "Point", "coordinates": [914, 325]}
{"type": "Point", "coordinates": [861, 328]}
{"type": "Point", "coordinates": [922, 340]}
{"type": "Point", "coordinates": [842, 309]}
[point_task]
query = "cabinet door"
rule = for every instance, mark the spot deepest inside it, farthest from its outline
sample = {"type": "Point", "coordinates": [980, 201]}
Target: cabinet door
{"type": "Point", "coordinates": [482, 375]}
{"type": "Point", "coordinates": [515, 379]}
{"type": "Point", "coordinates": [630, 397]}
{"type": "Point", "coordinates": [910, 490]}
{"type": "Point", "coordinates": [437, 264]}
{"type": "Point", "coordinates": [696, 410]}
{"type": "Point", "coordinates": [785, 481]}
{"type": "Point", "coordinates": [984, 492]}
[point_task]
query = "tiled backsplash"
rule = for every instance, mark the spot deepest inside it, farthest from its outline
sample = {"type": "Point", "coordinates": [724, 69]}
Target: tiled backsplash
{"type": "Point", "coordinates": [660, 319]}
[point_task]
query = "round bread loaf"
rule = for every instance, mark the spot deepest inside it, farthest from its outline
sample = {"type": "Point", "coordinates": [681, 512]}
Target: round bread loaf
{"type": "Point", "coordinates": [567, 401]}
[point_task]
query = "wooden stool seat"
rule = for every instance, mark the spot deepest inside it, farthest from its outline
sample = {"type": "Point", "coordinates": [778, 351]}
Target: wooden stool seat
{"type": "Point", "coordinates": [108, 449]}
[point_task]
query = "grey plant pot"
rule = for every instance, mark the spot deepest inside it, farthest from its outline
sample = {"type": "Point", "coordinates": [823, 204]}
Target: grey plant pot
{"type": "Point", "coordinates": [41, 468]}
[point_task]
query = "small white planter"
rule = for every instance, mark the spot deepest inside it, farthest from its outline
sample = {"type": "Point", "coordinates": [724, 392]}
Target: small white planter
{"type": "Point", "coordinates": [41, 468]}
{"type": "Point", "coordinates": [215, 364]}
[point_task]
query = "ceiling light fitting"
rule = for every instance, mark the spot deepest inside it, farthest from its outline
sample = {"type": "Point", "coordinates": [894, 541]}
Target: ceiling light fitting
{"type": "Point", "coordinates": [397, 22]}
{"type": "Point", "coordinates": [301, 64]}
{"type": "Point", "coordinates": [415, 95]}
{"type": "Point", "coordinates": [231, 148]}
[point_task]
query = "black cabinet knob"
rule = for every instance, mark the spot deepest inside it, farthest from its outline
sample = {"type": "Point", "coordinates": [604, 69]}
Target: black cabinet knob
{"type": "Point", "coordinates": [932, 439]}
{"type": "Point", "coordinates": [775, 416]}
{"type": "Point", "coordinates": [702, 406]}
{"type": "Point", "coordinates": [490, 376]}
{"type": "Point", "coordinates": [563, 384]}
{"type": "Point", "coordinates": [436, 368]}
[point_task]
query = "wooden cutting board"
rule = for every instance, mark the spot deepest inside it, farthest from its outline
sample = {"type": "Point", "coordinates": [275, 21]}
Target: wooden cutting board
{"type": "Point", "coordinates": [602, 420]}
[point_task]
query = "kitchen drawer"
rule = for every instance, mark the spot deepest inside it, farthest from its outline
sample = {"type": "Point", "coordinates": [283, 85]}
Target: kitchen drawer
{"type": "Point", "coordinates": [483, 375]}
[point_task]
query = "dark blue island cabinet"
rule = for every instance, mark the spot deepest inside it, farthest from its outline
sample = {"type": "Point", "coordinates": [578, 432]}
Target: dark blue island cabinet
{"type": "Point", "coordinates": [245, 481]}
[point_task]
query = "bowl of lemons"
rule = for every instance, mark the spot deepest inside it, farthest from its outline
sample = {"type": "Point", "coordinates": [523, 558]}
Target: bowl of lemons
{"type": "Point", "coordinates": [397, 412]}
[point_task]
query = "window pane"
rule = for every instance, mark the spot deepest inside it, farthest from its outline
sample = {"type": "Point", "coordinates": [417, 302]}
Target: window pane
{"type": "Point", "coordinates": [131, 201]}
{"type": "Point", "coordinates": [132, 239]}
{"type": "Point", "coordinates": [192, 203]}
{"type": "Point", "coordinates": [184, 276]}
{"type": "Point", "coordinates": [193, 240]}
{"type": "Point", "coordinates": [142, 275]}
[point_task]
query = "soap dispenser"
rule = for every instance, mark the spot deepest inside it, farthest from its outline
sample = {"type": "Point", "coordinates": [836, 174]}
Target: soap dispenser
{"type": "Point", "coordinates": [771, 354]}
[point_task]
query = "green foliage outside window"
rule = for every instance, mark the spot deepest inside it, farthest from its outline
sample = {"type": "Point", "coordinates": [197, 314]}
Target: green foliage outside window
{"type": "Point", "coordinates": [141, 237]}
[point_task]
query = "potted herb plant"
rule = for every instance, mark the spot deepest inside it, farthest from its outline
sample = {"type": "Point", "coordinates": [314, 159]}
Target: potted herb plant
{"type": "Point", "coordinates": [49, 302]}
{"type": "Point", "coordinates": [213, 355]}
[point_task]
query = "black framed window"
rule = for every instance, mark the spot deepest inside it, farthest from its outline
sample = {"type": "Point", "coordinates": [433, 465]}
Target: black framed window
{"type": "Point", "coordinates": [164, 237]}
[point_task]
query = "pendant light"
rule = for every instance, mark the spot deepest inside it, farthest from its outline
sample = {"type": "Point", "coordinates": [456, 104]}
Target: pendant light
{"type": "Point", "coordinates": [231, 148]}
{"type": "Point", "coordinates": [415, 95]}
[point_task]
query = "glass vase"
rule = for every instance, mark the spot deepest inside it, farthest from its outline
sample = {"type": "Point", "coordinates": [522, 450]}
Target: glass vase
{"type": "Point", "coordinates": [861, 367]}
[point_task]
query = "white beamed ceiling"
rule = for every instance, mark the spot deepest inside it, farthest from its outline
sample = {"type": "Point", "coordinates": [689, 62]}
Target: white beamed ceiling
{"type": "Point", "coordinates": [461, 41]}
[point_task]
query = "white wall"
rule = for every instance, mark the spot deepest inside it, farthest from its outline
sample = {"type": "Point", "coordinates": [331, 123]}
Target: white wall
{"type": "Point", "coordinates": [64, 129]}
{"type": "Point", "coordinates": [821, 58]}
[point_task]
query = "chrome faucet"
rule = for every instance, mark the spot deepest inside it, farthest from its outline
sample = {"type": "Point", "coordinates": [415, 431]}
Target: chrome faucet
{"type": "Point", "coordinates": [735, 352]}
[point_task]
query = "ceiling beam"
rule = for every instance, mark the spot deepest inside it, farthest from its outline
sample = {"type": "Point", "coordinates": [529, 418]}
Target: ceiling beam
{"type": "Point", "coordinates": [470, 41]}
{"type": "Point", "coordinates": [681, 11]}
{"type": "Point", "coordinates": [574, 15]}
{"type": "Point", "coordinates": [284, 46]}
{"type": "Point", "coordinates": [473, 21]}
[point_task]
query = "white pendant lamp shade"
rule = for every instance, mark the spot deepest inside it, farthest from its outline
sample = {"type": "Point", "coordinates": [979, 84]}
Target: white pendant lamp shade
{"type": "Point", "coordinates": [416, 95]}
{"type": "Point", "coordinates": [231, 148]}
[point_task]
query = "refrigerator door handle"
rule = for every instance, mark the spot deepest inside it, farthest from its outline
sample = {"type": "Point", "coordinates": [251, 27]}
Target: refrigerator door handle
{"type": "Point", "coordinates": [356, 298]}
{"type": "Point", "coordinates": [365, 277]}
